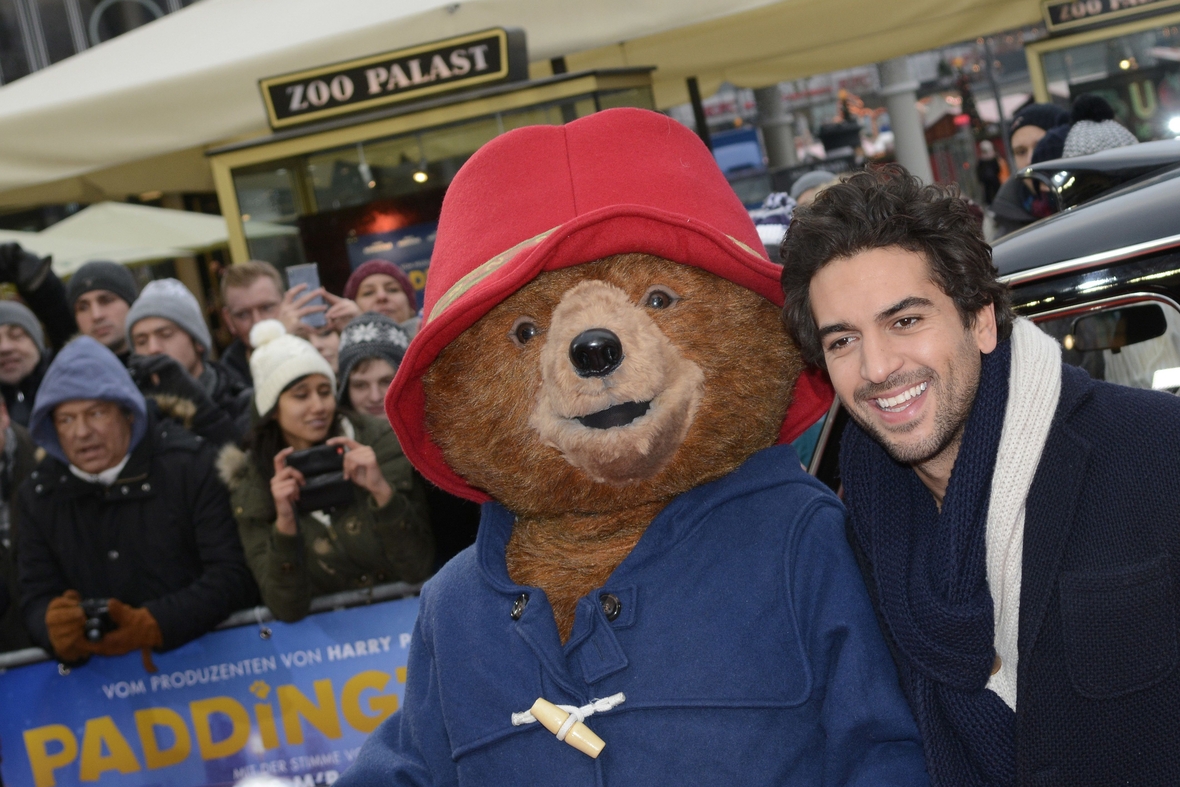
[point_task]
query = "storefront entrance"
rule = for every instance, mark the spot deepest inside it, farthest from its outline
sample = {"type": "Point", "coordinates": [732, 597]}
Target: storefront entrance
{"type": "Point", "coordinates": [372, 186]}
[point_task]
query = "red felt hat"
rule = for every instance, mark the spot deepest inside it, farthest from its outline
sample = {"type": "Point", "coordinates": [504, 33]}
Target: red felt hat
{"type": "Point", "coordinates": [542, 198]}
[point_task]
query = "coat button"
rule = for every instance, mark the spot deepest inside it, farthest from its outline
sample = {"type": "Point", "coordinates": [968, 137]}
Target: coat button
{"type": "Point", "coordinates": [997, 664]}
{"type": "Point", "coordinates": [363, 579]}
{"type": "Point", "coordinates": [113, 555]}
{"type": "Point", "coordinates": [38, 488]}
{"type": "Point", "coordinates": [611, 606]}
{"type": "Point", "coordinates": [123, 489]}
{"type": "Point", "coordinates": [518, 606]}
{"type": "Point", "coordinates": [146, 487]}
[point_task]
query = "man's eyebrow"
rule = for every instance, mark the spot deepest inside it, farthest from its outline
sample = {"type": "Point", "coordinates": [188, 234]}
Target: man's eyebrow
{"type": "Point", "coordinates": [902, 305]}
{"type": "Point", "coordinates": [836, 327]}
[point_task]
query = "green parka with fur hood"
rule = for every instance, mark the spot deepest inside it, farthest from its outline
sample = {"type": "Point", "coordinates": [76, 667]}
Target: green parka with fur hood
{"type": "Point", "coordinates": [358, 546]}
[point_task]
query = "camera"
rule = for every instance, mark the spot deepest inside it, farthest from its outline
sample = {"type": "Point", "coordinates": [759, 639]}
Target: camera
{"type": "Point", "coordinates": [324, 485]}
{"type": "Point", "coordinates": [98, 619]}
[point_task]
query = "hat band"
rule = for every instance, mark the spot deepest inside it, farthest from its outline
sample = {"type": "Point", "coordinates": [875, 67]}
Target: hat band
{"type": "Point", "coordinates": [473, 278]}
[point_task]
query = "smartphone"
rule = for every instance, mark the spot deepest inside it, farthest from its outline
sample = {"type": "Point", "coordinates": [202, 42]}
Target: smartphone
{"type": "Point", "coordinates": [317, 460]}
{"type": "Point", "coordinates": [310, 275]}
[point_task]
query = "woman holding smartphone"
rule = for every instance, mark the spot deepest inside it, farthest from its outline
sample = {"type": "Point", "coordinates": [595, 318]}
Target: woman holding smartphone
{"type": "Point", "coordinates": [380, 533]}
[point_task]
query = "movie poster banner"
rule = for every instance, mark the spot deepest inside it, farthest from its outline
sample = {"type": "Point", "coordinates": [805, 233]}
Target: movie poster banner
{"type": "Point", "coordinates": [229, 706]}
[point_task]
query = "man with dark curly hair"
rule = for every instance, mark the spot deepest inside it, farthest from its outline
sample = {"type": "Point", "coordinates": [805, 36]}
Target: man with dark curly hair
{"type": "Point", "coordinates": [1015, 521]}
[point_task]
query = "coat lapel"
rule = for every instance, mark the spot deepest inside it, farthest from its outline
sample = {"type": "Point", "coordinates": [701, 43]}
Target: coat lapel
{"type": "Point", "coordinates": [1050, 509]}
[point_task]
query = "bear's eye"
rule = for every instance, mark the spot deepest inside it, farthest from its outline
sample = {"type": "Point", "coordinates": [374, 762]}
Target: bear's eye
{"type": "Point", "coordinates": [658, 298]}
{"type": "Point", "coordinates": [523, 330]}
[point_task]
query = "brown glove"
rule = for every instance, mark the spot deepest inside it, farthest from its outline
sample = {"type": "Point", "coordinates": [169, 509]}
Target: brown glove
{"type": "Point", "coordinates": [136, 628]}
{"type": "Point", "coordinates": [65, 622]}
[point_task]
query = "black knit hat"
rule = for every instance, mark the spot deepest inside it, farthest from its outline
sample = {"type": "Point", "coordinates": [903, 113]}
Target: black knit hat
{"type": "Point", "coordinates": [1052, 145]}
{"type": "Point", "coordinates": [102, 275]}
{"type": "Point", "coordinates": [371, 335]}
{"type": "Point", "coordinates": [1044, 116]}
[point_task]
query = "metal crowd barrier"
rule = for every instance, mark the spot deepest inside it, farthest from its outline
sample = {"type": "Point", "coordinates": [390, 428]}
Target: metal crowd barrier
{"type": "Point", "coordinates": [258, 616]}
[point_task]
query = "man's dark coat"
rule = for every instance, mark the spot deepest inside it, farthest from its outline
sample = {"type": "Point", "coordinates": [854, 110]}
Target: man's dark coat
{"type": "Point", "coordinates": [161, 536]}
{"type": "Point", "coordinates": [12, 625]}
{"type": "Point", "coordinates": [1098, 684]}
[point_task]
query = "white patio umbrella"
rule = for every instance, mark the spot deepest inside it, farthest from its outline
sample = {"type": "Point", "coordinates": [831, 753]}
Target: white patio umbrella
{"type": "Point", "coordinates": [125, 224]}
{"type": "Point", "coordinates": [69, 254]}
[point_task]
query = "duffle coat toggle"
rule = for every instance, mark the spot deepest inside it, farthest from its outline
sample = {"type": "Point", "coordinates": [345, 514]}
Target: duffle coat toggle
{"type": "Point", "coordinates": [565, 721]}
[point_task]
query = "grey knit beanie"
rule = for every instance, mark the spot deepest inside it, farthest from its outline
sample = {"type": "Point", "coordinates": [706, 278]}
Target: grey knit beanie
{"type": "Point", "coordinates": [13, 313]}
{"type": "Point", "coordinates": [809, 180]}
{"type": "Point", "coordinates": [170, 299]}
{"type": "Point", "coordinates": [102, 275]}
{"type": "Point", "coordinates": [1088, 136]}
{"type": "Point", "coordinates": [371, 335]}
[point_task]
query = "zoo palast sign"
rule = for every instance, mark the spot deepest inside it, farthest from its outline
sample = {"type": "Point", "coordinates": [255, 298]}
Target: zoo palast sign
{"type": "Point", "coordinates": [1061, 15]}
{"type": "Point", "coordinates": [483, 58]}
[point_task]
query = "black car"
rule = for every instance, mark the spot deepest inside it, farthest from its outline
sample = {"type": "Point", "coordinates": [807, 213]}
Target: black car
{"type": "Point", "coordinates": [1102, 277]}
{"type": "Point", "coordinates": [1062, 184]}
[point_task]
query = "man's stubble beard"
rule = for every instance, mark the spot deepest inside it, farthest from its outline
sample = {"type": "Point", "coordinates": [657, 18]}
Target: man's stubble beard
{"type": "Point", "coordinates": [956, 397]}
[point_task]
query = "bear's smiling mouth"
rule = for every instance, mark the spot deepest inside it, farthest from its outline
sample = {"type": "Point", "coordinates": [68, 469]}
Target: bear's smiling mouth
{"type": "Point", "coordinates": [619, 415]}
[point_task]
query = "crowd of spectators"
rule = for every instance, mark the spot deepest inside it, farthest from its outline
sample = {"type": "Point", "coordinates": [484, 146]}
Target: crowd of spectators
{"type": "Point", "coordinates": [145, 484]}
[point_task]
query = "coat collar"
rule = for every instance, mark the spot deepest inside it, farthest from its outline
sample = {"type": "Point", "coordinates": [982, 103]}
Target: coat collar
{"type": "Point", "coordinates": [769, 467]}
{"type": "Point", "coordinates": [593, 649]}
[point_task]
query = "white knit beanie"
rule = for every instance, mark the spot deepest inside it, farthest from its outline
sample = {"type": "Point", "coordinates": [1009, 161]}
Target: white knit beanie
{"type": "Point", "coordinates": [280, 359]}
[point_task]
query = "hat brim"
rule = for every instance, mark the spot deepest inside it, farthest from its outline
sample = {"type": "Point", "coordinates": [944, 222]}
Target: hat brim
{"type": "Point", "coordinates": [617, 229]}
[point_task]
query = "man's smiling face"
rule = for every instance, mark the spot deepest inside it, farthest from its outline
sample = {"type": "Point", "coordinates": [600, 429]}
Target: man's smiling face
{"type": "Point", "coordinates": [900, 358]}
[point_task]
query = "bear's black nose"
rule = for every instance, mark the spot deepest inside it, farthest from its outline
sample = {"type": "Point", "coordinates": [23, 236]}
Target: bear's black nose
{"type": "Point", "coordinates": [596, 352]}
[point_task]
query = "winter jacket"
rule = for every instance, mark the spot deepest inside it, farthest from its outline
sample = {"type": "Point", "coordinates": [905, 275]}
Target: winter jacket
{"type": "Point", "coordinates": [230, 392]}
{"type": "Point", "coordinates": [49, 302]}
{"type": "Point", "coordinates": [162, 536]}
{"type": "Point", "coordinates": [363, 546]}
{"type": "Point", "coordinates": [18, 463]}
{"type": "Point", "coordinates": [20, 398]}
{"type": "Point", "coordinates": [237, 359]}
{"type": "Point", "coordinates": [1011, 208]}
{"type": "Point", "coordinates": [737, 630]}
{"type": "Point", "coordinates": [1098, 673]}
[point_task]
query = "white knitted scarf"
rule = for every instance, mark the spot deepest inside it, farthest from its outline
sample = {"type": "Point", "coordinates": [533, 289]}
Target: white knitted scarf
{"type": "Point", "coordinates": [1034, 387]}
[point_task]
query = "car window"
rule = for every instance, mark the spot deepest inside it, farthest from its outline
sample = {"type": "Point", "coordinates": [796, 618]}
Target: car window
{"type": "Point", "coordinates": [1135, 343]}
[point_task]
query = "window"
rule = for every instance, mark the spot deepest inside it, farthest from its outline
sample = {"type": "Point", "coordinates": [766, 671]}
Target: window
{"type": "Point", "coordinates": [1129, 341]}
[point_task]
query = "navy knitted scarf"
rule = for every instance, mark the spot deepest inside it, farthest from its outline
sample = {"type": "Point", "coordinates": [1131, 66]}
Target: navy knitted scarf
{"type": "Point", "coordinates": [930, 581]}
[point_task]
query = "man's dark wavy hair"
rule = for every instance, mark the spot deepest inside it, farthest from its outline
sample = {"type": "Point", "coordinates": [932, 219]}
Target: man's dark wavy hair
{"type": "Point", "coordinates": [882, 208]}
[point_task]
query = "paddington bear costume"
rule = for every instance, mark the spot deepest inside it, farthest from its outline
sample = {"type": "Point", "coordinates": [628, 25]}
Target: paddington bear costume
{"type": "Point", "coordinates": [738, 629]}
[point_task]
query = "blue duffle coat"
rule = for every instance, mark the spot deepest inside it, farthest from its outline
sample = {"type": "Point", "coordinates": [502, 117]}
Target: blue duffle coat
{"type": "Point", "coordinates": [742, 638]}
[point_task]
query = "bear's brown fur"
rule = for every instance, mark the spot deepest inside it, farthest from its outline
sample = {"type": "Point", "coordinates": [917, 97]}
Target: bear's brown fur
{"type": "Point", "coordinates": [716, 364]}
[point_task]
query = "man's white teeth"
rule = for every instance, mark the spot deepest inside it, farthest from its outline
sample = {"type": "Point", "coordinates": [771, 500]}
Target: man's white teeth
{"type": "Point", "coordinates": [895, 403]}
